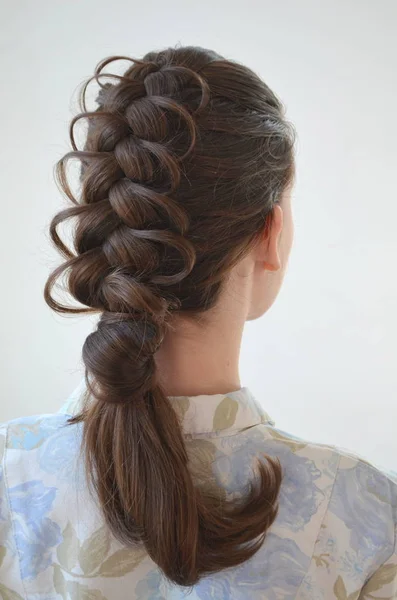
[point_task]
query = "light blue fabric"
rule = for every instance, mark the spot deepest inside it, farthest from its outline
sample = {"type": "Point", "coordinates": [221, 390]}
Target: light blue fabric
{"type": "Point", "coordinates": [334, 537]}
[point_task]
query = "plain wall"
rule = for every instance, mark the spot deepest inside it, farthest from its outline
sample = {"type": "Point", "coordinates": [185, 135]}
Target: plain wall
{"type": "Point", "coordinates": [323, 360]}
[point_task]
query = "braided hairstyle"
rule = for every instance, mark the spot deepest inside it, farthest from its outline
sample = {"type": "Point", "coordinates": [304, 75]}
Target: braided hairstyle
{"type": "Point", "coordinates": [184, 159]}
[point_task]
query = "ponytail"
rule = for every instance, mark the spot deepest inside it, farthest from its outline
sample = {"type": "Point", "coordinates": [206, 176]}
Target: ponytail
{"type": "Point", "coordinates": [137, 260]}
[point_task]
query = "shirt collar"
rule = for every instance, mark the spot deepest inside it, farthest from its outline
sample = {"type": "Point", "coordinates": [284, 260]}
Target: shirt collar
{"type": "Point", "coordinates": [204, 414]}
{"type": "Point", "coordinates": [219, 413]}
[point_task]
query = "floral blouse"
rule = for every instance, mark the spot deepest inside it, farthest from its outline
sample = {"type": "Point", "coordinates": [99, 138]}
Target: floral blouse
{"type": "Point", "coordinates": [334, 537]}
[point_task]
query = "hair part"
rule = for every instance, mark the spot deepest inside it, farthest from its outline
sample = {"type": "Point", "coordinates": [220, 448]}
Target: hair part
{"type": "Point", "coordinates": [184, 159]}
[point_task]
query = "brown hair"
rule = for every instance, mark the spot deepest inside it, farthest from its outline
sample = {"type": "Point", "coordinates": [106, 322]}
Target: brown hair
{"type": "Point", "coordinates": [184, 159]}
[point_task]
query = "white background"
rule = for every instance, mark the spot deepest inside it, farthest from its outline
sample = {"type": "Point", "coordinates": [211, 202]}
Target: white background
{"type": "Point", "coordinates": [323, 361]}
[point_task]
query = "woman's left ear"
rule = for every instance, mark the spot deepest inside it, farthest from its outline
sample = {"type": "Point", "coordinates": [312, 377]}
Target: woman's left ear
{"type": "Point", "coordinates": [271, 242]}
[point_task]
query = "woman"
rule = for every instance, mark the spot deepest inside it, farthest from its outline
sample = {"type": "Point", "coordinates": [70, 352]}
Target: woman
{"type": "Point", "coordinates": [182, 231]}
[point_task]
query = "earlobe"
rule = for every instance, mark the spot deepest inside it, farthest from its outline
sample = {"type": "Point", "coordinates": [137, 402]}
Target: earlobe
{"type": "Point", "coordinates": [273, 267]}
{"type": "Point", "coordinates": [272, 261]}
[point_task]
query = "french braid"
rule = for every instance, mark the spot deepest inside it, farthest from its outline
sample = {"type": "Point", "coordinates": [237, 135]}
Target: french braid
{"type": "Point", "coordinates": [184, 158]}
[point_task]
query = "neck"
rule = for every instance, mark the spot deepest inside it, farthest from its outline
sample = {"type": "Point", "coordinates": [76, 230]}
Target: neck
{"type": "Point", "coordinates": [201, 355]}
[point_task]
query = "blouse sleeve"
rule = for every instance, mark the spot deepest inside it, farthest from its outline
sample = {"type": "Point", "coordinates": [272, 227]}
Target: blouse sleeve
{"type": "Point", "coordinates": [10, 580]}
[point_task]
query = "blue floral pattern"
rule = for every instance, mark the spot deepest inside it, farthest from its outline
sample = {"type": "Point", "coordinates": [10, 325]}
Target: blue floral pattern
{"type": "Point", "coordinates": [59, 455]}
{"type": "Point", "coordinates": [370, 531]}
{"type": "Point", "coordinates": [36, 535]}
{"type": "Point", "coordinates": [30, 432]}
{"type": "Point", "coordinates": [275, 572]}
{"type": "Point", "coordinates": [333, 538]}
{"type": "Point", "coordinates": [149, 588]}
{"type": "Point", "coordinates": [299, 498]}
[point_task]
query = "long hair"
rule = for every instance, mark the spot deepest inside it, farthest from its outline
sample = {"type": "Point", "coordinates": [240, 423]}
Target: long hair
{"type": "Point", "coordinates": [185, 157]}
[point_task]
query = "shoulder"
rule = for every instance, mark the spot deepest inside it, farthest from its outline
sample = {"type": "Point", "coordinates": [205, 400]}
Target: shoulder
{"type": "Point", "coordinates": [28, 433]}
{"type": "Point", "coordinates": [357, 506]}
{"type": "Point", "coordinates": [39, 468]}
{"type": "Point", "coordinates": [40, 459]}
{"type": "Point", "coordinates": [347, 463]}
{"type": "Point", "coordinates": [38, 447]}
{"type": "Point", "coordinates": [364, 499]}
{"type": "Point", "coordinates": [361, 498]}
{"type": "Point", "coordinates": [353, 482]}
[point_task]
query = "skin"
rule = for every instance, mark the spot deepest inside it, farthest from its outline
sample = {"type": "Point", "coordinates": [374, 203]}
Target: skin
{"type": "Point", "coordinates": [201, 356]}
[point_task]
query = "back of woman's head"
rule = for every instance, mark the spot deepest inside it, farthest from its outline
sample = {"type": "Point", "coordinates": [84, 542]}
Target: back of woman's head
{"type": "Point", "coordinates": [185, 157]}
